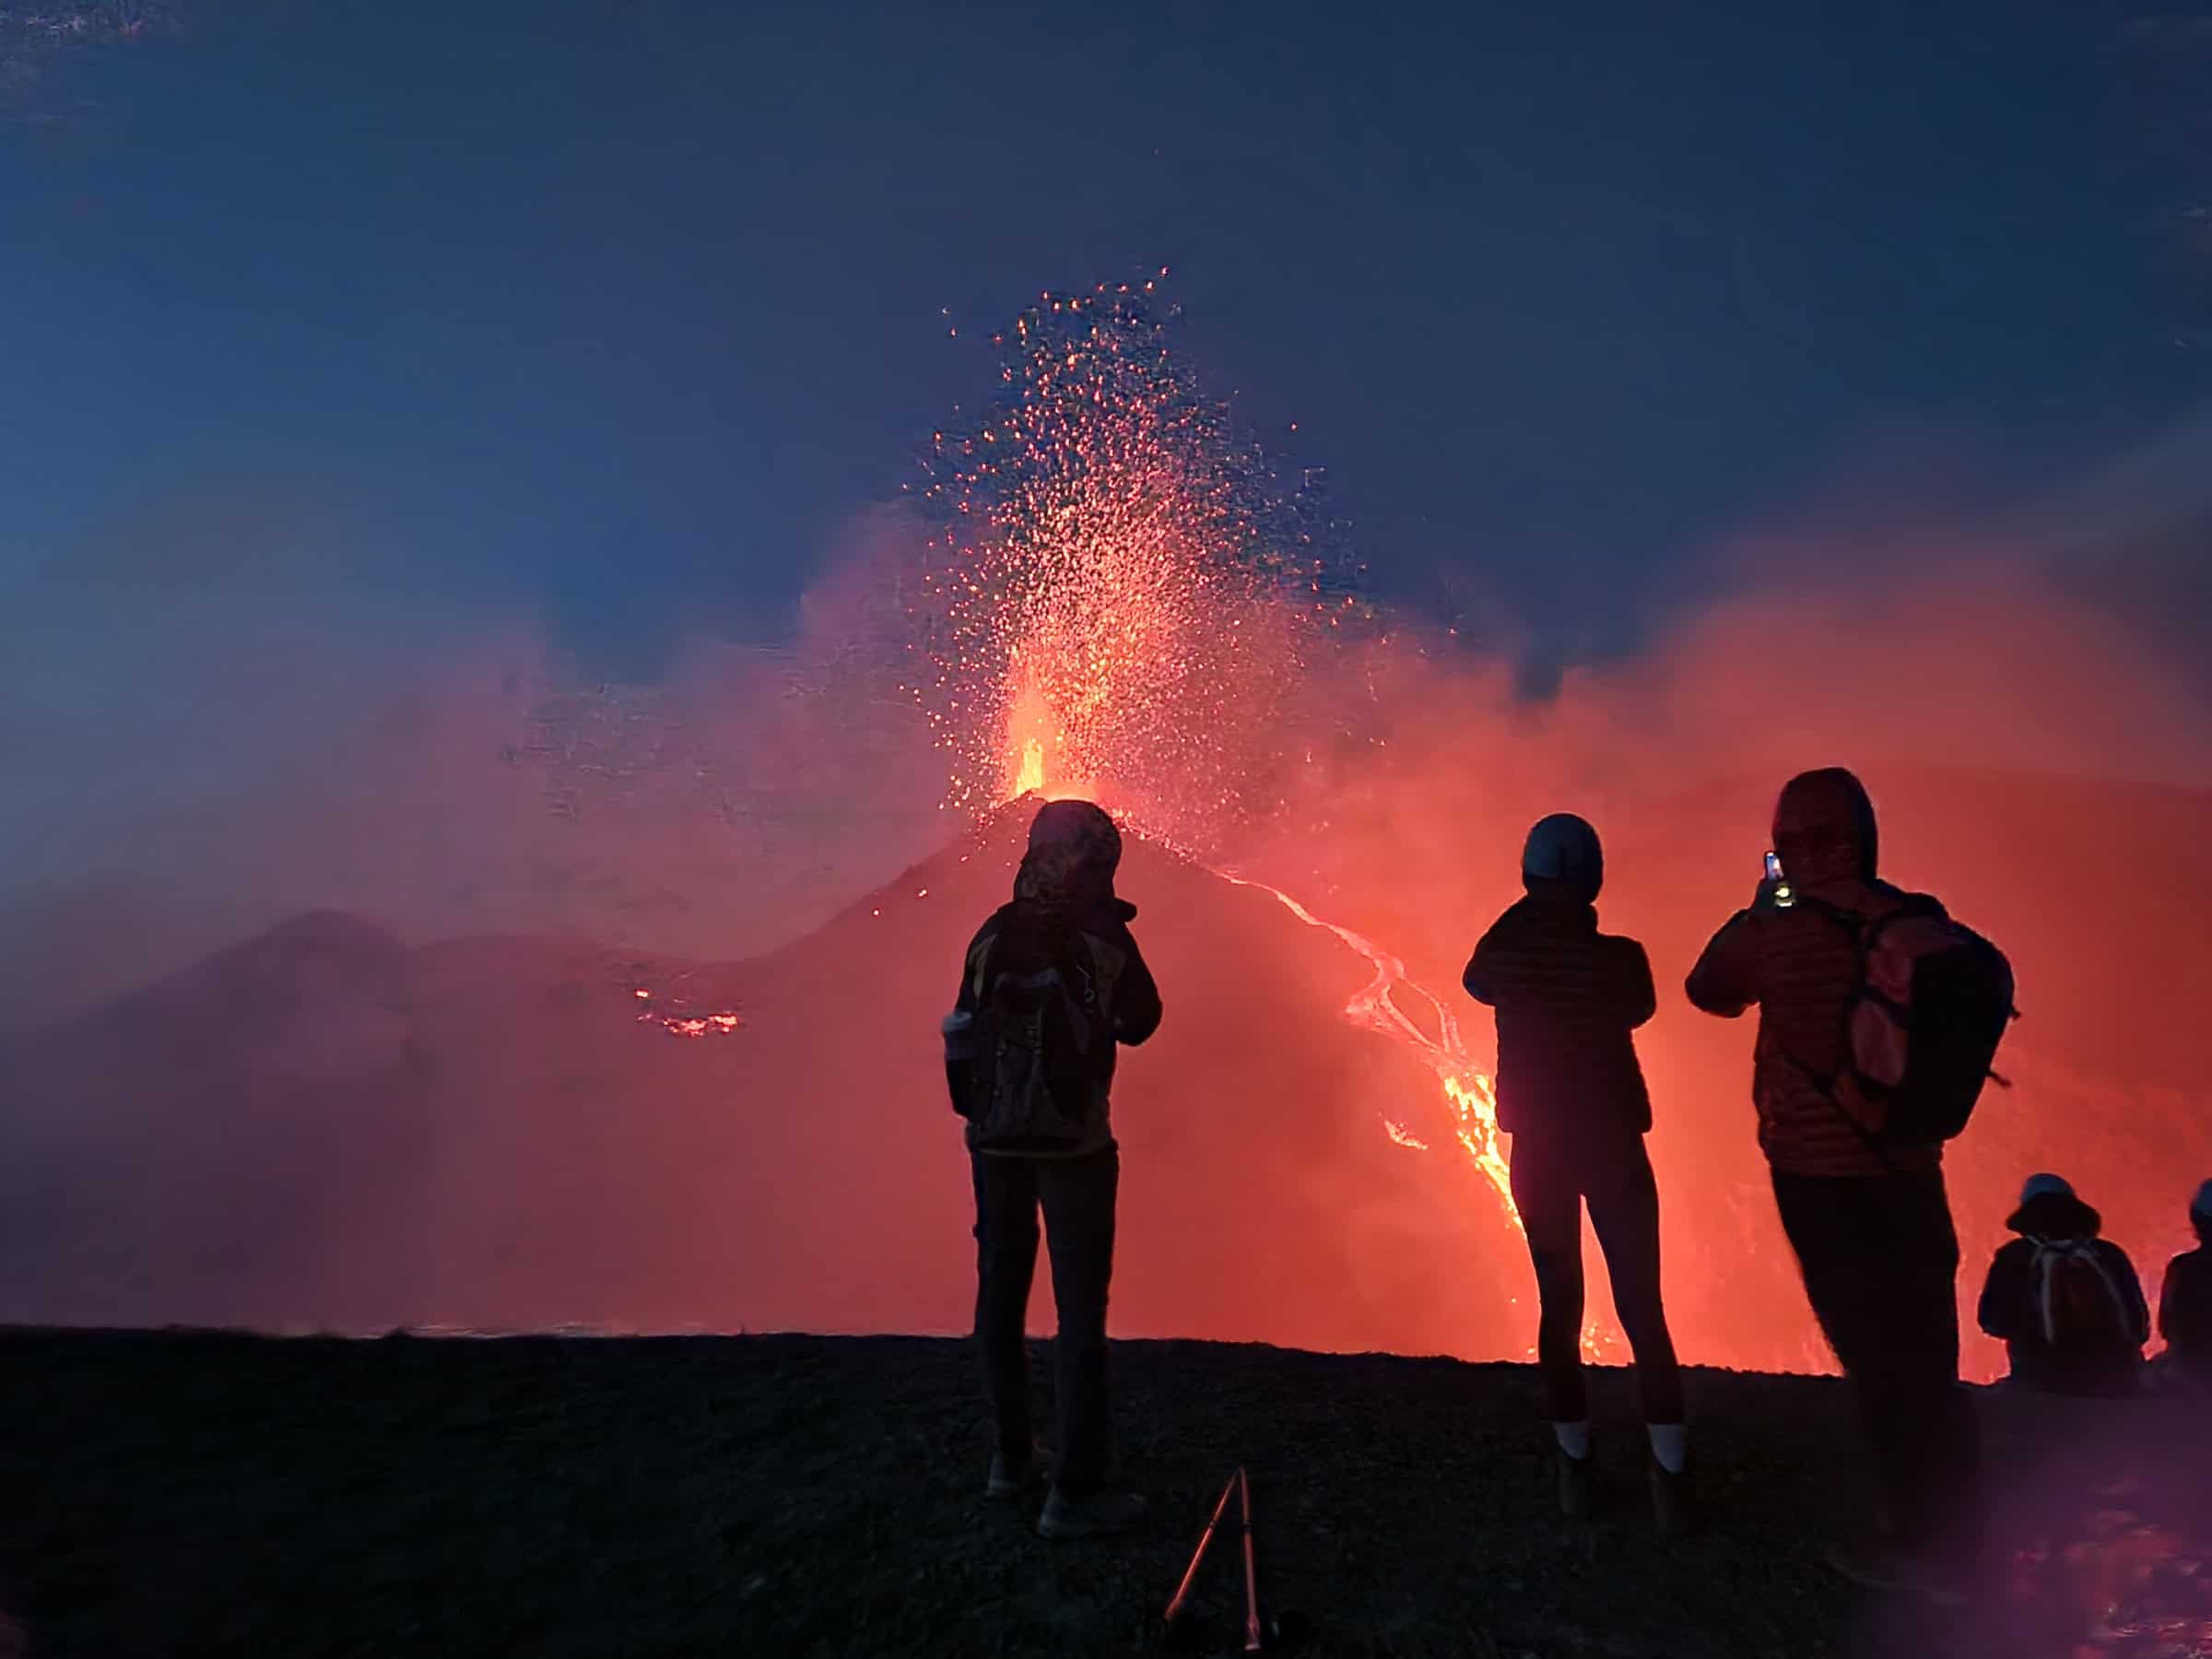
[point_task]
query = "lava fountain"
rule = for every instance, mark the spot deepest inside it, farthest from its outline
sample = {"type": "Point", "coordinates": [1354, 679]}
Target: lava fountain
{"type": "Point", "coordinates": [1119, 593]}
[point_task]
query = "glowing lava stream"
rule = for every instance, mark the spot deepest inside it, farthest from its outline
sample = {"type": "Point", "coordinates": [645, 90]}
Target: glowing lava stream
{"type": "Point", "coordinates": [1467, 1089]}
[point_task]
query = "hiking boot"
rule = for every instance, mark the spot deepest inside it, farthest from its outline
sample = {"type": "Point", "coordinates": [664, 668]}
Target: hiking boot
{"type": "Point", "coordinates": [1671, 1504]}
{"type": "Point", "coordinates": [1092, 1517]}
{"type": "Point", "coordinates": [1574, 1487]}
{"type": "Point", "coordinates": [1883, 1566]}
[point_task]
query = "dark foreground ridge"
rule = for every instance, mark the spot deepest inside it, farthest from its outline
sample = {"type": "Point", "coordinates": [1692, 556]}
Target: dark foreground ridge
{"type": "Point", "coordinates": [175, 1493]}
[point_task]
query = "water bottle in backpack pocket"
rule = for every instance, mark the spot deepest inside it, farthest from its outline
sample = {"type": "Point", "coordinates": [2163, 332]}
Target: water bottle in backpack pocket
{"type": "Point", "coordinates": [1026, 1081]}
{"type": "Point", "coordinates": [957, 1029]}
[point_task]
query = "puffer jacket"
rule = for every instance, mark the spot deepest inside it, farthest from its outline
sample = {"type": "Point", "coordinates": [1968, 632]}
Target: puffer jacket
{"type": "Point", "coordinates": [1799, 968]}
{"type": "Point", "coordinates": [1567, 997]}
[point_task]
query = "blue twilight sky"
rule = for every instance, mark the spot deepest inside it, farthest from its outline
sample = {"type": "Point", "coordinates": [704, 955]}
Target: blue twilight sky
{"type": "Point", "coordinates": [616, 313]}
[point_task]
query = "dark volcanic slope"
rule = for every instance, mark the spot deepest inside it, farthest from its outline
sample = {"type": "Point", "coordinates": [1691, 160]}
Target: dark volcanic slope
{"type": "Point", "coordinates": [174, 1495]}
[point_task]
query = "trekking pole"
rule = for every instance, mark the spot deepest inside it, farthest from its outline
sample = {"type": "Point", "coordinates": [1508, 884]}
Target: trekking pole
{"type": "Point", "coordinates": [1252, 1577]}
{"type": "Point", "coordinates": [1190, 1573]}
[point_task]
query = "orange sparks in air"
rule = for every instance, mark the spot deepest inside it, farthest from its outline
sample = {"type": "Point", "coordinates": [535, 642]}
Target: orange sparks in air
{"type": "Point", "coordinates": [1117, 588]}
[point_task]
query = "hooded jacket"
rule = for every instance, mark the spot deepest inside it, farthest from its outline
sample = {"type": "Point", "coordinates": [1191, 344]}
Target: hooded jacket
{"type": "Point", "coordinates": [1799, 967]}
{"type": "Point", "coordinates": [1567, 997]}
{"type": "Point", "coordinates": [2011, 1308]}
{"type": "Point", "coordinates": [1065, 890]}
{"type": "Point", "coordinates": [2185, 1302]}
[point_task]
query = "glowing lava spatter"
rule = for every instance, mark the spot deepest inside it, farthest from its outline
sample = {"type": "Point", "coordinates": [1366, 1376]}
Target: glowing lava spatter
{"type": "Point", "coordinates": [1104, 599]}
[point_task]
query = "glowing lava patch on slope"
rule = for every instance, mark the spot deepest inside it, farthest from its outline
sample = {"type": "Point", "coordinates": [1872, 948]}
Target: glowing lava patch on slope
{"type": "Point", "coordinates": [680, 1020]}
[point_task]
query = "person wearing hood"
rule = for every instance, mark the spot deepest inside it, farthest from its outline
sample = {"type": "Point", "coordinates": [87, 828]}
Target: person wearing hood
{"type": "Point", "coordinates": [1053, 983]}
{"type": "Point", "coordinates": [1869, 1223]}
{"type": "Point", "coordinates": [2185, 1302]}
{"type": "Point", "coordinates": [2065, 1303]}
{"type": "Point", "coordinates": [1571, 1095]}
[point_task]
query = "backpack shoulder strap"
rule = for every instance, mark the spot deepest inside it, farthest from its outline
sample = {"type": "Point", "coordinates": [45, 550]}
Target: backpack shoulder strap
{"type": "Point", "coordinates": [2049, 1253]}
{"type": "Point", "coordinates": [1866, 927]}
{"type": "Point", "coordinates": [979, 962]}
{"type": "Point", "coordinates": [1849, 920]}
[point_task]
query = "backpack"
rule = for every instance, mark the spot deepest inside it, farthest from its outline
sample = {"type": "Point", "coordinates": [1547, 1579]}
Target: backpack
{"type": "Point", "coordinates": [1034, 1041]}
{"type": "Point", "coordinates": [1920, 1026]}
{"type": "Point", "coordinates": [2081, 1309]}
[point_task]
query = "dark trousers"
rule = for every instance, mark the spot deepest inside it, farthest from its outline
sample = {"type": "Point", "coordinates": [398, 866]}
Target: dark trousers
{"type": "Point", "coordinates": [1550, 1186]}
{"type": "Point", "coordinates": [1076, 1195]}
{"type": "Point", "coordinates": [1880, 1261]}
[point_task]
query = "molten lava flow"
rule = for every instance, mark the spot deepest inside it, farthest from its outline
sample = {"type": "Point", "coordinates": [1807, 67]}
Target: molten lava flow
{"type": "Point", "coordinates": [1470, 1104]}
{"type": "Point", "coordinates": [1470, 1100]}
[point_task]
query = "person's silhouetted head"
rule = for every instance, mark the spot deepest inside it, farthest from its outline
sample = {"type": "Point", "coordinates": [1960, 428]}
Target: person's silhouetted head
{"type": "Point", "coordinates": [1562, 859]}
{"type": "Point", "coordinates": [1073, 851]}
{"type": "Point", "coordinates": [2051, 1209]}
{"type": "Point", "coordinates": [1824, 828]}
{"type": "Point", "coordinates": [2200, 1212]}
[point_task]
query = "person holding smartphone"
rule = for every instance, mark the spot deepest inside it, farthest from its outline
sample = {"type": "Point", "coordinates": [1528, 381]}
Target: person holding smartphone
{"type": "Point", "coordinates": [1870, 1221]}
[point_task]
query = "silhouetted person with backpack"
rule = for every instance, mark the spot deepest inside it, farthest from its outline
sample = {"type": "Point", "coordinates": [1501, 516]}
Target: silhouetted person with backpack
{"type": "Point", "coordinates": [2065, 1303]}
{"type": "Point", "coordinates": [1878, 1017]}
{"type": "Point", "coordinates": [2186, 1303]}
{"type": "Point", "coordinates": [1571, 1095]}
{"type": "Point", "coordinates": [1052, 984]}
